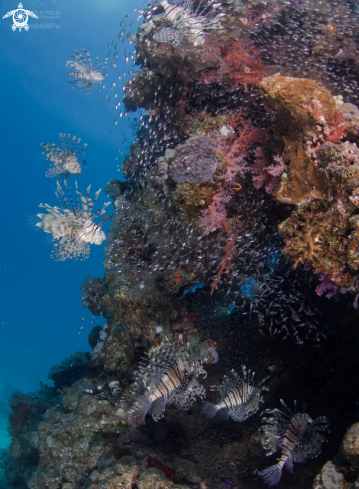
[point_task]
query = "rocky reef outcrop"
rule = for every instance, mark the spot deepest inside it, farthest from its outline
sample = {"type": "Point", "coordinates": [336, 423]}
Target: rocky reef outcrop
{"type": "Point", "coordinates": [236, 223]}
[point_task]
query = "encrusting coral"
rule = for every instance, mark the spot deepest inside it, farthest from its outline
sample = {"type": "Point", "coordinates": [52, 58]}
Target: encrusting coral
{"type": "Point", "coordinates": [290, 99]}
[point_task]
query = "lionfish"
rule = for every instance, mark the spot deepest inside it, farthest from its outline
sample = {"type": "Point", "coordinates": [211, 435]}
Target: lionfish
{"type": "Point", "coordinates": [167, 378]}
{"type": "Point", "coordinates": [240, 398]}
{"type": "Point", "coordinates": [84, 75]}
{"type": "Point", "coordinates": [191, 23]}
{"type": "Point", "coordinates": [296, 435]}
{"type": "Point", "coordinates": [65, 160]}
{"type": "Point", "coordinates": [73, 229]}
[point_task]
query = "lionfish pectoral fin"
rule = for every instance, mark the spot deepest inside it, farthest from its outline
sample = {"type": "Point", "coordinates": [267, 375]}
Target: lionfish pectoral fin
{"type": "Point", "coordinates": [289, 464]}
{"type": "Point", "coordinates": [223, 414]}
{"type": "Point", "coordinates": [271, 475]}
{"type": "Point", "coordinates": [56, 171]}
{"type": "Point", "coordinates": [140, 409]}
{"type": "Point", "coordinates": [238, 413]}
{"type": "Point", "coordinates": [158, 408]}
{"type": "Point", "coordinates": [209, 409]}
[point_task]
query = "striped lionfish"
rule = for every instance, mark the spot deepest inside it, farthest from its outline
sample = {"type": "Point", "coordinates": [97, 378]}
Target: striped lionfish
{"type": "Point", "coordinates": [84, 75]}
{"type": "Point", "coordinates": [191, 23]}
{"type": "Point", "coordinates": [296, 435]}
{"type": "Point", "coordinates": [167, 378]}
{"type": "Point", "coordinates": [65, 160]}
{"type": "Point", "coordinates": [240, 398]}
{"type": "Point", "coordinates": [73, 229]}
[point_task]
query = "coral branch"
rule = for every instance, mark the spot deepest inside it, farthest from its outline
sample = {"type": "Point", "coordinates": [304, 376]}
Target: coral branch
{"type": "Point", "coordinates": [247, 67]}
{"type": "Point", "coordinates": [230, 250]}
{"type": "Point", "coordinates": [337, 130]}
{"type": "Point", "coordinates": [267, 175]}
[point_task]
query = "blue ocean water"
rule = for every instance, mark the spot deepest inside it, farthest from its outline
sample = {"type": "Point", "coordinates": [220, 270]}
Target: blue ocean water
{"type": "Point", "coordinates": [41, 310]}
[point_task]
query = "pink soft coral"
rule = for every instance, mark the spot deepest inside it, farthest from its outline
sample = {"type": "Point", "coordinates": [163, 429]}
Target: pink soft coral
{"type": "Point", "coordinates": [236, 166]}
{"type": "Point", "coordinates": [267, 175]}
{"type": "Point", "coordinates": [213, 217]}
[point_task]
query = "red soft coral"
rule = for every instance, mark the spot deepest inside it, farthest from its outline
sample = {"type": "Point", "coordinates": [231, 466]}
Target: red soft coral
{"type": "Point", "coordinates": [229, 229]}
{"type": "Point", "coordinates": [247, 67]}
{"type": "Point", "coordinates": [213, 217]}
{"type": "Point", "coordinates": [338, 128]}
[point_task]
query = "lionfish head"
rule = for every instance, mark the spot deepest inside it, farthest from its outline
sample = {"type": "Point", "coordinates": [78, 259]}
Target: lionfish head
{"type": "Point", "coordinates": [97, 76]}
{"type": "Point", "coordinates": [199, 370]}
{"type": "Point", "coordinates": [92, 233]}
{"type": "Point", "coordinates": [71, 164]}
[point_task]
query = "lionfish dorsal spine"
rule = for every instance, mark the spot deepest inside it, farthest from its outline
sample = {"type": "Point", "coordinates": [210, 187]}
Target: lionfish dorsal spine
{"type": "Point", "coordinates": [88, 57]}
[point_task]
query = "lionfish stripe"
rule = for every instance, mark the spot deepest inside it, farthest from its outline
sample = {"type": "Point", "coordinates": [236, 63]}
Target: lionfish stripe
{"type": "Point", "coordinates": [163, 389]}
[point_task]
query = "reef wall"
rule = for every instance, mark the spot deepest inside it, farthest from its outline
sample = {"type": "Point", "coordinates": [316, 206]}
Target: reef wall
{"type": "Point", "coordinates": [234, 242]}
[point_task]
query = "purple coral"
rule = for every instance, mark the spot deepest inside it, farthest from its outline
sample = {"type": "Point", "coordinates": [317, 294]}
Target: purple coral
{"type": "Point", "coordinates": [194, 160]}
{"type": "Point", "coordinates": [327, 286]}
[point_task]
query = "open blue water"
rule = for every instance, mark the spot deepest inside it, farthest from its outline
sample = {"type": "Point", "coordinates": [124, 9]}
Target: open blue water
{"type": "Point", "coordinates": [40, 302]}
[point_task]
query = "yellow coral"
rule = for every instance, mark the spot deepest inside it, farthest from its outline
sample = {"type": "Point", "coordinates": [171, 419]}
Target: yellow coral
{"type": "Point", "coordinates": [310, 241]}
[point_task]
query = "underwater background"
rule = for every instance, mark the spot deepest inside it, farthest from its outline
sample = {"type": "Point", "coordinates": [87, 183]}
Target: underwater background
{"type": "Point", "coordinates": [37, 105]}
{"type": "Point", "coordinates": [200, 313]}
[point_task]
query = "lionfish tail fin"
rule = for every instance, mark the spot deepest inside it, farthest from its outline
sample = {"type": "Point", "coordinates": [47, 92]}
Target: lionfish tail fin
{"type": "Point", "coordinates": [209, 409]}
{"type": "Point", "coordinates": [271, 475]}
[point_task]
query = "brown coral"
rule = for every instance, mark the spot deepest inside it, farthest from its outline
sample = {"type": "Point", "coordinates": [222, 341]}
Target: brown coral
{"type": "Point", "coordinates": [316, 234]}
{"type": "Point", "coordinates": [193, 197]}
{"type": "Point", "coordinates": [308, 245]}
{"type": "Point", "coordinates": [290, 98]}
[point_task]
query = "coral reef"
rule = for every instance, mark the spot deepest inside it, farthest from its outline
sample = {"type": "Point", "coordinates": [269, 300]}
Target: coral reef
{"type": "Point", "coordinates": [329, 478]}
{"type": "Point", "coordinates": [290, 99]}
{"type": "Point", "coordinates": [81, 440]}
{"type": "Point", "coordinates": [236, 221]}
{"type": "Point", "coordinates": [194, 161]}
{"type": "Point", "coordinates": [349, 448]}
{"type": "Point", "coordinates": [343, 471]}
{"type": "Point", "coordinates": [324, 233]}
{"type": "Point", "coordinates": [68, 371]}
{"type": "Point", "coordinates": [27, 412]}
{"type": "Point", "coordinates": [3, 458]}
